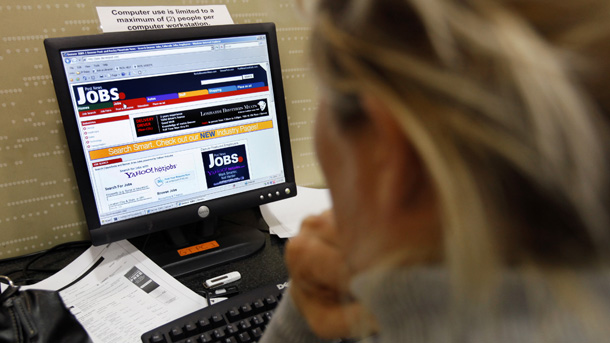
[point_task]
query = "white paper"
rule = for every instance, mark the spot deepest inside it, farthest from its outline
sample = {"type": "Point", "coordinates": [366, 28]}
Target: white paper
{"type": "Point", "coordinates": [121, 293]}
{"type": "Point", "coordinates": [140, 18]}
{"type": "Point", "coordinates": [284, 217]}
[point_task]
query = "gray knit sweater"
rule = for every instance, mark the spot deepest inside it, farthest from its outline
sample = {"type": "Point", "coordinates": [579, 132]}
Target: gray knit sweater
{"type": "Point", "coordinates": [412, 305]}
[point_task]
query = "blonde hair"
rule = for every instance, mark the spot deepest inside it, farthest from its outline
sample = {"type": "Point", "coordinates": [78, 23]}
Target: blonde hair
{"type": "Point", "coordinates": [504, 100]}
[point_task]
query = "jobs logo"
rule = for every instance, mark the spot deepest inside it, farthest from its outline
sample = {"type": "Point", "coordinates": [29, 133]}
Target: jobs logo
{"type": "Point", "coordinates": [221, 161]}
{"type": "Point", "coordinates": [95, 94]}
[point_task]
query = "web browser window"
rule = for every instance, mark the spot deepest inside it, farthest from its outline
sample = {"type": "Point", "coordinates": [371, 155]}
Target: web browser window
{"type": "Point", "coordinates": [172, 124]}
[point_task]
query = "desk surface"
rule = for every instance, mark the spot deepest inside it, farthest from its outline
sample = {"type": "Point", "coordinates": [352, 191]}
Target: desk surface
{"type": "Point", "coordinates": [263, 267]}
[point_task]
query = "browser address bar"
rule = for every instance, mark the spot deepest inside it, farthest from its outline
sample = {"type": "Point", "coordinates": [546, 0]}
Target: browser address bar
{"type": "Point", "coordinates": [149, 54]}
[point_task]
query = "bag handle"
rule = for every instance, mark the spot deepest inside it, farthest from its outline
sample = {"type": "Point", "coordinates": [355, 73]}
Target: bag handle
{"type": "Point", "coordinates": [8, 280]}
{"type": "Point", "coordinates": [12, 288]}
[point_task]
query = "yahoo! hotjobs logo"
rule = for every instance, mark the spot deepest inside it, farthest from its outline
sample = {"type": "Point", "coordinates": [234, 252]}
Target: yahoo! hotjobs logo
{"type": "Point", "coordinates": [150, 170]}
{"type": "Point", "coordinates": [95, 94]}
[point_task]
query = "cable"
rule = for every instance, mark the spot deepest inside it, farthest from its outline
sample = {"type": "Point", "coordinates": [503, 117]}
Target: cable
{"type": "Point", "coordinates": [68, 245]}
{"type": "Point", "coordinates": [27, 268]}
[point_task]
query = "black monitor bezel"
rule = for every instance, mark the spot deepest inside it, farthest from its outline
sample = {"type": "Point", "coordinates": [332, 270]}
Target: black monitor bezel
{"type": "Point", "coordinates": [188, 214]}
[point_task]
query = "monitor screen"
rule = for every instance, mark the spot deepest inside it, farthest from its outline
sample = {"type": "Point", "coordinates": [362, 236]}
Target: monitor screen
{"type": "Point", "coordinates": [169, 127]}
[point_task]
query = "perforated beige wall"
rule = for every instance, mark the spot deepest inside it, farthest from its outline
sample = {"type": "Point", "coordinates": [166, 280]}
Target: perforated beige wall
{"type": "Point", "coordinates": [39, 201]}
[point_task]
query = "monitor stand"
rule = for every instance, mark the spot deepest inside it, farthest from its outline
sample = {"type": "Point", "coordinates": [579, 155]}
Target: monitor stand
{"type": "Point", "coordinates": [211, 242]}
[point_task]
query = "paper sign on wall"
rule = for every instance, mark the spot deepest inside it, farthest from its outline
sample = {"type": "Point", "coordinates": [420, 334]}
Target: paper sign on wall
{"type": "Point", "coordinates": [136, 18]}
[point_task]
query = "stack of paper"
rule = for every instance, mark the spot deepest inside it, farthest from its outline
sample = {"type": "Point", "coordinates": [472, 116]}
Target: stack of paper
{"type": "Point", "coordinates": [284, 217]}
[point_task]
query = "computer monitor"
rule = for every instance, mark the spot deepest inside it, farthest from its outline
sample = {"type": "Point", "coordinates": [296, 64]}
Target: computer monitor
{"type": "Point", "coordinates": [171, 130]}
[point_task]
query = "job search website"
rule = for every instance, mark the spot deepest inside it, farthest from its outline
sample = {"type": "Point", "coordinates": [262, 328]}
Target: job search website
{"type": "Point", "coordinates": [166, 140]}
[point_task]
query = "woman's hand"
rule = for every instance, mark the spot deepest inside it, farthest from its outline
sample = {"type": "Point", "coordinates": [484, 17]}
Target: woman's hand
{"type": "Point", "coordinates": [320, 279]}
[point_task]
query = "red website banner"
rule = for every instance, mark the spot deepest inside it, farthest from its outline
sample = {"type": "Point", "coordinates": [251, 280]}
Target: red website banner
{"type": "Point", "coordinates": [107, 162]}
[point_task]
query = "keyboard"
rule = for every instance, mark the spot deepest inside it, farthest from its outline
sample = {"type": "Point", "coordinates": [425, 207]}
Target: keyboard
{"type": "Point", "coordinates": [239, 319]}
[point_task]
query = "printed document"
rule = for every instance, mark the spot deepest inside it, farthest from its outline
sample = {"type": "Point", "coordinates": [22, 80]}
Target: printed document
{"type": "Point", "coordinates": [117, 293]}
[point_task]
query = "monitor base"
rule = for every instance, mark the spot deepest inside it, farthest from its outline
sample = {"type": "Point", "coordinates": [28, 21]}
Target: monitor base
{"type": "Point", "coordinates": [212, 242]}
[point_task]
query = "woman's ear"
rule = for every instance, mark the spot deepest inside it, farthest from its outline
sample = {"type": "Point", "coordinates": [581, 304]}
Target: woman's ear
{"type": "Point", "coordinates": [398, 164]}
{"type": "Point", "coordinates": [383, 121]}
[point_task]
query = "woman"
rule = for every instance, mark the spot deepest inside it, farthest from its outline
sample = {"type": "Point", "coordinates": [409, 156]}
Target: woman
{"type": "Point", "coordinates": [465, 146]}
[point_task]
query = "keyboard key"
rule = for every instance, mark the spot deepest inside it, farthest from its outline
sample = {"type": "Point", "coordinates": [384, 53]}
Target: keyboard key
{"type": "Point", "coordinates": [244, 337]}
{"type": "Point", "coordinates": [271, 301]}
{"type": "Point", "coordinates": [218, 333]}
{"type": "Point", "coordinates": [233, 314]}
{"type": "Point", "coordinates": [257, 333]}
{"type": "Point", "coordinates": [232, 329]}
{"type": "Point", "coordinates": [217, 320]}
{"type": "Point", "coordinates": [244, 324]}
{"type": "Point", "coordinates": [259, 305]}
{"type": "Point", "coordinates": [204, 324]}
{"type": "Point", "coordinates": [157, 337]}
{"type": "Point", "coordinates": [205, 338]}
{"type": "Point", "coordinates": [176, 333]}
{"type": "Point", "coordinates": [258, 320]}
{"type": "Point", "coordinates": [190, 329]}
{"type": "Point", "coordinates": [246, 309]}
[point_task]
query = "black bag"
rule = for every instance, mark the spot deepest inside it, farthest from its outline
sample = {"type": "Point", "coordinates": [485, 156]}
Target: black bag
{"type": "Point", "coordinates": [37, 316]}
